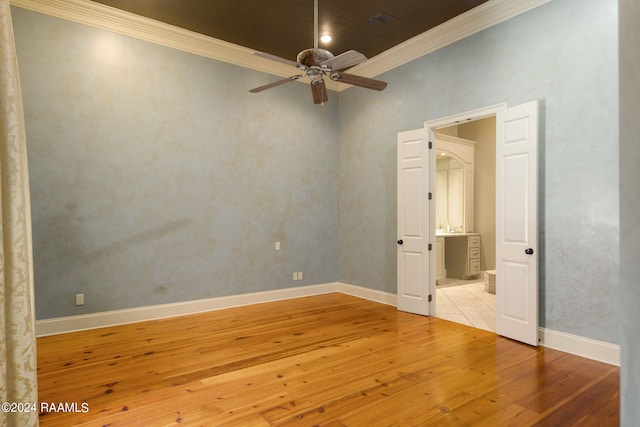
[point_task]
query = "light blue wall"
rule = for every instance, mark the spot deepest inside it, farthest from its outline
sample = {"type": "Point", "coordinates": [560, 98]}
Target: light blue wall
{"type": "Point", "coordinates": [629, 211]}
{"type": "Point", "coordinates": [563, 54]}
{"type": "Point", "coordinates": [157, 177]}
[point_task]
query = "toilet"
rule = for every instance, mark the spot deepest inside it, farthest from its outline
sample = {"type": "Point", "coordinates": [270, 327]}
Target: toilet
{"type": "Point", "coordinates": [490, 281]}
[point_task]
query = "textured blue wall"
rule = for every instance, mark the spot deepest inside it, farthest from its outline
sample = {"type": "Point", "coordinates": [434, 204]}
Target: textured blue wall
{"type": "Point", "coordinates": [157, 177]}
{"type": "Point", "coordinates": [564, 54]}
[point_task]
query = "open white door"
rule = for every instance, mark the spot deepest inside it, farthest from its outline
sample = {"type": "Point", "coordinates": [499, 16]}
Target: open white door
{"type": "Point", "coordinates": [517, 223]}
{"type": "Point", "coordinates": [413, 221]}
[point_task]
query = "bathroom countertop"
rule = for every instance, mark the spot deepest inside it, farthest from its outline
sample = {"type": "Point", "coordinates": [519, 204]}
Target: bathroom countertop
{"type": "Point", "coordinates": [446, 234]}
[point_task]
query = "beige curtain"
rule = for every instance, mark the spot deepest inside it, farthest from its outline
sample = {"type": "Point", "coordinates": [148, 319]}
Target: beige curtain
{"type": "Point", "coordinates": [18, 370]}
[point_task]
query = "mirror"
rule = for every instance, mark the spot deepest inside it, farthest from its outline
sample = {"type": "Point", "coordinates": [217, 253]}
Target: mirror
{"type": "Point", "coordinates": [454, 184]}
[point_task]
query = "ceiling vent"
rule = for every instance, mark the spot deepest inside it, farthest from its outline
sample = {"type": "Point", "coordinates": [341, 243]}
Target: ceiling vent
{"type": "Point", "coordinates": [380, 17]}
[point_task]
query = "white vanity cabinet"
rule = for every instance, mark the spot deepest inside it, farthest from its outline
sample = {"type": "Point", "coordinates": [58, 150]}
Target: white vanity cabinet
{"type": "Point", "coordinates": [462, 255]}
{"type": "Point", "coordinates": [473, 248]}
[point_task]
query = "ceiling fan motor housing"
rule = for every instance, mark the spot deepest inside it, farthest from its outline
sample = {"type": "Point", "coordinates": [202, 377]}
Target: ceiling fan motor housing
{"type": "Point", "coordinates": [313, 57]}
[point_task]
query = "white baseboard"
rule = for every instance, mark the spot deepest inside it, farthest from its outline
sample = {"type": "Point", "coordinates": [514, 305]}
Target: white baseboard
{"type": "Point", "coordinates": [580, 346]}
{"type": "Point", "coordinates": [103, 319]}
{"type": "Point", "coordinates": [574, 344]}
{"type": "Point", "coordinates": [366, 293]}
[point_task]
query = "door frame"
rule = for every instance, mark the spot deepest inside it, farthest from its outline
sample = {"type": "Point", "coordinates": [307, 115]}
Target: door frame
{"type": "Point", "coordinates": [431, 126]}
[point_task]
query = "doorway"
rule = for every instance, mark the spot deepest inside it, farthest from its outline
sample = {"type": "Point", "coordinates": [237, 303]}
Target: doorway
{"type": "Point", "coordinates": [516, 218]}
{"type": "Point", "coordinates": [468, 299]}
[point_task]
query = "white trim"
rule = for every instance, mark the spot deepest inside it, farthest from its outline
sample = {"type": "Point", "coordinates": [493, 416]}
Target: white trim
{"type": "Point", "coordinates": [103, 319]}
{"type": "Point", "coordinates": [108, 18]}
{"type": "Point", "coordinates": [369, 294]}
{"type": "Point", "coordinates": [580, 346]}
{"type": "Point", "coordinates": [473, 21]}
{"type": "Point", "coordinates": [460, 118]}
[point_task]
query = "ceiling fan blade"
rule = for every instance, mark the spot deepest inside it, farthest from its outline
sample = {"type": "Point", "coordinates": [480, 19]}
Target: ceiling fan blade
{"type": "Point", "coordinates": [365, 82]}
{"type": "Point", "coordinates": [345, 60]}
{"type": "Point", "coordinates": [319, 91]}
{"type": "Point", "coordinates": [275, 58]}
{"type": "Point", "coordinates": [276, 83]}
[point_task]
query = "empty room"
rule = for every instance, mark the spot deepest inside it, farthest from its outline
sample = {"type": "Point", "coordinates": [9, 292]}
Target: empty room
{"type": "Point", "coordinates": [230, 218]}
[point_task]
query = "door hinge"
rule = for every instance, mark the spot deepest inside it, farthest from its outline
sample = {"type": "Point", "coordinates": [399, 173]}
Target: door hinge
{"type": "Point", "coordinates": [430, 145]}
{"type": "Point", "coordinates": [430, 298]}
{"type": "Point", "coordinates": [430, 195]}
{"type": "Point", "coordinates": [429, 246]}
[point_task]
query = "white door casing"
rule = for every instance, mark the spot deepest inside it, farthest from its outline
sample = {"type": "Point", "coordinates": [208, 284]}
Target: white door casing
{"type": "Point", "coordinates": [517, 223]}
{"type": "Point", "coordinates": [414, 272]}
{"type": "Point", "coordinates": [516, 218]}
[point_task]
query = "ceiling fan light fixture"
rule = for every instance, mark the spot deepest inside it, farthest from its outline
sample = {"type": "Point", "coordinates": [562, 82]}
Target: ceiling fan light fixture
{"type": "Point", "coordinates": [316, 63]}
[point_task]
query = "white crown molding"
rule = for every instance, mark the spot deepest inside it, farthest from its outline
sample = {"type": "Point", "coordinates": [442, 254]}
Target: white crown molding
{"type": "Point", "coordinates": [108, 18]}
{"type": "Point", "coordinates": [104, 17]}
{"type": "Point", "coordinates": [473, 21]}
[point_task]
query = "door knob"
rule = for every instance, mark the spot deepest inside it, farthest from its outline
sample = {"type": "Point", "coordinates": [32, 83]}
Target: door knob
{"type": "Point", "coordinates": [528, 251]}
{"type": "Point", "coordinates": [400, 242]}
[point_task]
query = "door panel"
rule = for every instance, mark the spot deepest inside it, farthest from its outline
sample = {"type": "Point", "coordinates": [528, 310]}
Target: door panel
{"type": "Point", "coordinates": [413, 222]}
{"type": "Point", "coordinates": [413, 215]}
{"type": "Point", "coordinates": [517, 223]}
{"type": "Point", "coordinates": [412, 262]}
{"type": "Point", "coordinates": [515, 307]}
{"type": "Point", "coordinates": [515, 198]}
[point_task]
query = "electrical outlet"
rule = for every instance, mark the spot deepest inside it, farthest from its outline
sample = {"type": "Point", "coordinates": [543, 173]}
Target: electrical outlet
{"type": "Point", "coordinates": [299, 275]}
{"type": "Point", "coordinates": [277, 246]}
{"type": "Point", "coordinates": [295, 275]}
{"type": "Point", "coordinates": [79, 299]}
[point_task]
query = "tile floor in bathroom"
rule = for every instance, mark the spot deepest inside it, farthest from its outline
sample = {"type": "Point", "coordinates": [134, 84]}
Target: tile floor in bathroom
{"type": "Point", "coordinates": [466, 302]}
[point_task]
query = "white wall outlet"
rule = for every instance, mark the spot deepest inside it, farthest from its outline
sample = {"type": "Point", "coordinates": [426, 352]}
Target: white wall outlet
{"type": "Point", "coordinates": [277, 246]}
{"type": "Point", "coordinates": [79, 299]}
{"type": "Point", "coordinates": [299, 275]}
{"type": "Point", "coordinates": [295, 275]}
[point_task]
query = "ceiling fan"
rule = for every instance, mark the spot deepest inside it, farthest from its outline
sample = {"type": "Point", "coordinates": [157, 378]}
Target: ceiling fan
{"type": "Point", "coordinates": [316, 63]}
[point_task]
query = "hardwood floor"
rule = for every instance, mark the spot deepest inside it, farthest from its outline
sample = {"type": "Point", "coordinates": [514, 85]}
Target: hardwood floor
{"type": "Point", "coordinates": [330, 360]}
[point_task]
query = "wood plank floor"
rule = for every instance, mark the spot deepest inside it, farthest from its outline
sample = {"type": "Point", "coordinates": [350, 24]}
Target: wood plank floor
{"type": "Point", "coordinates": [330, 360]}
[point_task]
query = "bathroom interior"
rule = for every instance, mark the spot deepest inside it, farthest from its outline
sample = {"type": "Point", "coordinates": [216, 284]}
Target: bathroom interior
{"type": "Point", "coordinates": [465, 223]}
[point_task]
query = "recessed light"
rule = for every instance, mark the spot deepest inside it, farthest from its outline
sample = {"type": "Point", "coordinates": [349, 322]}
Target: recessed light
{"type": "Point", "coordinates": [325, 38]}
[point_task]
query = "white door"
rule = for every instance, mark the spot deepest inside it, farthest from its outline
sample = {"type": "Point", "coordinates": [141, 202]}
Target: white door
{"type": "Point", "coordinates": [517, 223]}
{"type": "Point", "coordinates": [413, 221]}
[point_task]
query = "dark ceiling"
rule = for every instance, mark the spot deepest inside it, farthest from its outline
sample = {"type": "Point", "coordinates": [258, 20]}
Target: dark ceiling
{"type": "Point", "coordinates": [285, 27]}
